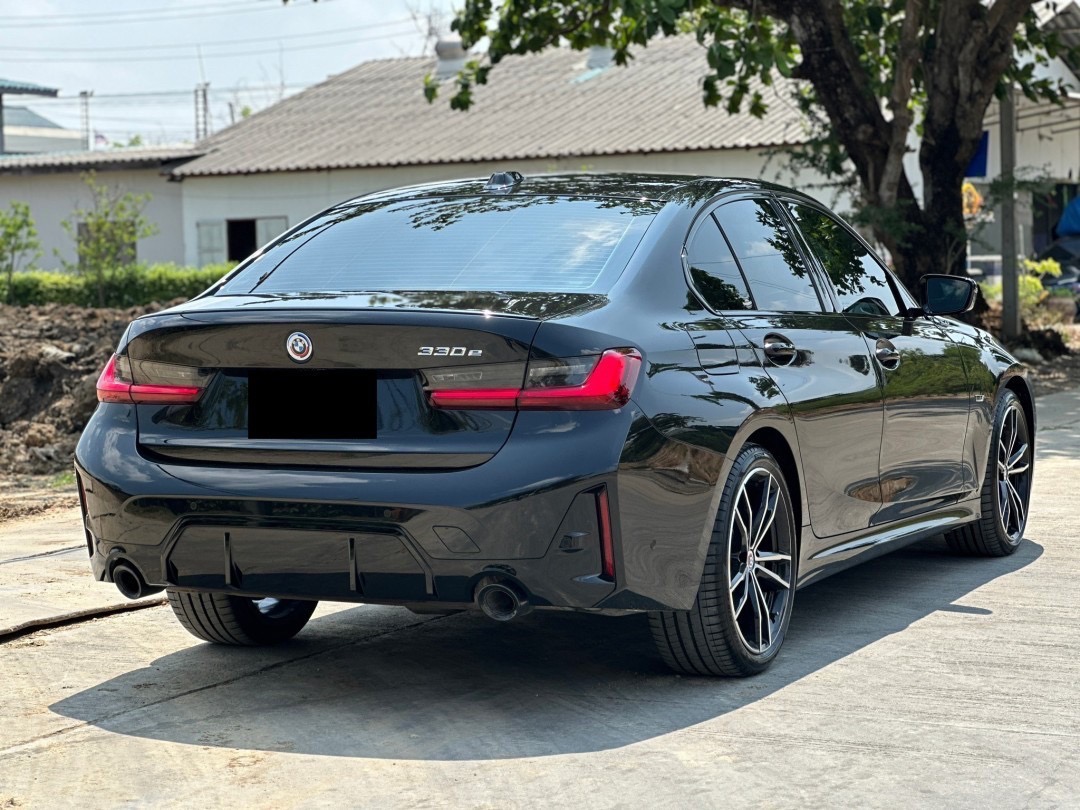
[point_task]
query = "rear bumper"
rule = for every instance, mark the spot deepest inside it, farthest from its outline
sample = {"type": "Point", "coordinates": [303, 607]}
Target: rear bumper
{"type": "Point", "coordinates": [529, 516]}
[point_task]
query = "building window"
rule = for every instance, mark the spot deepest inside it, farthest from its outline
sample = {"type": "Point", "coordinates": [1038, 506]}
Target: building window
{"type": "Point", "coordinates": [233, 240]}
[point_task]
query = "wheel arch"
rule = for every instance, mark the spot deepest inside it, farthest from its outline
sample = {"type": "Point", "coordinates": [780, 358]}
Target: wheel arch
{"type": "Point", "coordinates": [772, 440]}
{"type": "Point", "coordinates": [775, 434]}
{"type": "Point", "coordinates": [1020, 386]}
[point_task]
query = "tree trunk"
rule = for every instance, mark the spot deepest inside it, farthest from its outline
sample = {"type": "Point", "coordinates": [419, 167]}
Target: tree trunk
{"type": "Point", "coordinates": [960, 65]}
{"type": "Point", "coordinates": [934, 239]}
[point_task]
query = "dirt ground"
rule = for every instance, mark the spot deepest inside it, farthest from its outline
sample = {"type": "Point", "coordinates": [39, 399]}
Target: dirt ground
{"type": "Point", "coordinates": [50, 358]}
{"type": "Point", "coordinates": [1061, 373]}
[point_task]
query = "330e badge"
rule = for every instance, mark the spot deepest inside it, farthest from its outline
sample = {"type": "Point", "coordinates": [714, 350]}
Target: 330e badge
{"type": "Point", "coordinates": [449, 351]}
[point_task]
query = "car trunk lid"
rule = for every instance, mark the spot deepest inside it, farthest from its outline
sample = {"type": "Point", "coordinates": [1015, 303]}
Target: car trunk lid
{"type": "Point", "coordinates": [356, 397]}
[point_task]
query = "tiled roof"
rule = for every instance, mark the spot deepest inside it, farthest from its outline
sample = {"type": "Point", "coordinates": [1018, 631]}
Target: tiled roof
{"type": "Point", "coordinates": [132, 157]}
{"type": "Point", "coordinates": [25, 88]}
{"type": "Point", "coordinates": [1066, 22]}
{"type": "Point", "coordinates": [540, 106]}
{"type": "Point", "coordinates": [25, 117]}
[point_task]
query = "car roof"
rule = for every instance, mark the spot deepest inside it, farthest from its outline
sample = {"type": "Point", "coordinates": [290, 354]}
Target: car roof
{"type": "Point", "coordinates": [688, 189]}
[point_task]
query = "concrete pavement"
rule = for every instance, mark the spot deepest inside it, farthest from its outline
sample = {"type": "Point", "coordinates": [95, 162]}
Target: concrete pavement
{"type": "Point", "coordinates": [917, 680]}
{"type": "Point", "coordinates": [43, 575]}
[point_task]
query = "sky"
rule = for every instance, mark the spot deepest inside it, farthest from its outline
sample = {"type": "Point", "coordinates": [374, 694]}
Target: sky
{"type": "Point", "coordinates": [142, 59]}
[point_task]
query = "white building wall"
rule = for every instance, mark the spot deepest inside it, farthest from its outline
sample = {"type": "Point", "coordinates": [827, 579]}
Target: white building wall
{"type": "Point", "coordinates": [54, 197]}
{"type": "Point", "coordinates": [299, 195]}
{"type": "Point", "coordinates": [30, 140]}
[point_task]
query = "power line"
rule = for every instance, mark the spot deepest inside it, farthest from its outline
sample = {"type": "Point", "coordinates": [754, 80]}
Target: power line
{"type": "Point", "coordinates": [182, 14]}
{"type": "Point", "coordinates": [138, 11]}
{"type": "Point", "coordinates": [167, 93]}
{"type": "Point", "coordinates": [135, 119]}
{"type": "Point", "coordinates": [226, 42]}
{"type": "Point", "coordinates": [221, 55]}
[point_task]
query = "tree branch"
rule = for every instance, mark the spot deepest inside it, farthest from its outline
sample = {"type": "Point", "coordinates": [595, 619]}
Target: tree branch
{"type": "Point", "coordinates": [974, 46]}
{"type": "Point", "coordinates": [899, 101]}
{"type": "Point", "coordinates": [997, 50]}
{"type": "Point", "coordinates": [831, 64]}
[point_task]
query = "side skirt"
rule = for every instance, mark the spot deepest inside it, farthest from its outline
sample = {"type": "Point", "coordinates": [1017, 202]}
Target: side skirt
{"type": "Point", "coordinates": [883, 540]}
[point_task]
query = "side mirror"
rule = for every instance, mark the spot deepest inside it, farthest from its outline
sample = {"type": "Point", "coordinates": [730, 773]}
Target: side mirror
{"type": "Point", "coordinates": [948, 295]}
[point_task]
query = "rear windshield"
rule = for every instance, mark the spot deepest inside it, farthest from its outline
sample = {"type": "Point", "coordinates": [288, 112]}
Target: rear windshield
{"type": "Point", "coordinates": [513, 243]}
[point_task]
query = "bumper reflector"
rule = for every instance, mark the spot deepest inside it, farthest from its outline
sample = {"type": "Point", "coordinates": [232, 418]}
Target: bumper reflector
{"type": "Point", "coordinates": [607, 542]}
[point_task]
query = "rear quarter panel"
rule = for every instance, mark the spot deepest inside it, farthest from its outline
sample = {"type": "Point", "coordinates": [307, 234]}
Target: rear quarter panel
{"type": "Point", "coordinates": [687, 424]}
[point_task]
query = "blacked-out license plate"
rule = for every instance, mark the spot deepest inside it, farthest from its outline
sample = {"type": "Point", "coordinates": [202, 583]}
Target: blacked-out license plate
{"type": "Point", "coordinates": [311, 404]}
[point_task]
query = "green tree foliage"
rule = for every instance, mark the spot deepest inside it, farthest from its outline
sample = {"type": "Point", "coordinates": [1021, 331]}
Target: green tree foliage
{"type": "Point", "coordinates": [133, 141]}
{"type": "Point", "coordinates": [107, 231]}
{"type": "Point", "coordinates": [19, 245]}
{"type": "Point", "coordinates": [868, 71]}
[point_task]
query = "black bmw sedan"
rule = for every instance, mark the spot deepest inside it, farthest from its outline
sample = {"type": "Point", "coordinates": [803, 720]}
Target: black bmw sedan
{"type": "Point", "coordinates": [610, 393]}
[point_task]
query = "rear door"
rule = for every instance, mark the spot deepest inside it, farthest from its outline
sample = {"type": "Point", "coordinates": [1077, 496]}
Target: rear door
{"type": "Point", "coordinates": [922, 374]}
{"type": "Point", "coordinates": [760, 284]}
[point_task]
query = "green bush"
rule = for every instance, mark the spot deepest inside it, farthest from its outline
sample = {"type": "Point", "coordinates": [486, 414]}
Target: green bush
{"type": "Point", "coordinates": [132, 286]}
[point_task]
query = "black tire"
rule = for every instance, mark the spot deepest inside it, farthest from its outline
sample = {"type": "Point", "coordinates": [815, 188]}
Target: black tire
{"type": "Point", "coordinates": [998, 532]}
{"type": "Point", "coordinates": [716, 636]}
{"type": "Point", "coordinates": [224, 619]}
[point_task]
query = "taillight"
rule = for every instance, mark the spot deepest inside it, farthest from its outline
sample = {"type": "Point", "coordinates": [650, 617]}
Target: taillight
{"type": "Point", "coordinates": [164, 383]}
{"type": "Point", "coordinates": [553, 384]}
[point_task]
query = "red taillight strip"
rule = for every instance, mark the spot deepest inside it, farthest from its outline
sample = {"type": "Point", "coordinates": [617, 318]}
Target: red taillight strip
{"type": "Point", "coordinates": [110, 389]}
{"type": "Point", "coordinates": [165, 393]}
{"type": "Point", "coordinates": [608, 386]}
{"type": "Point", "coordinates": [476, 398]}
{"type": "Point", "coordinates": [607, 542]}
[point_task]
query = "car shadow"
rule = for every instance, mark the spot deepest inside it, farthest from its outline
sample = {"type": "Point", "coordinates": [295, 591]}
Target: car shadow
{"type": "Point", "coordinates": [464, 688]}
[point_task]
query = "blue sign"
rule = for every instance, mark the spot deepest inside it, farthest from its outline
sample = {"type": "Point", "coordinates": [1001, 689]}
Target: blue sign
{"type": "Point", "coordinates": [977, 167]}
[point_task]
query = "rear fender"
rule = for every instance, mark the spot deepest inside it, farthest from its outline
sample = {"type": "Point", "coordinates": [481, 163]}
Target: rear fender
{"type": "Point", "coordinates": [775, 431]}
{"type": "Point", "coordinates": [671, 479]}
{"type": "Point", "coordinates": [981, 423]}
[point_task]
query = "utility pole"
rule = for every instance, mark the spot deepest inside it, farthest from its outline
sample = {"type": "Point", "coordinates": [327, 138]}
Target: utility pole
{"type": "Point", "coordinates": [1010, 292]}
{"type": "Point", "coordinates": [202, 111]}
{"type": "Point", "coordinates": [84, 118]}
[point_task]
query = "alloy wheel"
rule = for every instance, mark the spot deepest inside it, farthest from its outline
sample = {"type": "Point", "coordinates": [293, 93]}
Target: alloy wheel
{"type": "Point", "coordinates": [759, 553]}
{"type": "Point", "coordinates": [1013, 472]}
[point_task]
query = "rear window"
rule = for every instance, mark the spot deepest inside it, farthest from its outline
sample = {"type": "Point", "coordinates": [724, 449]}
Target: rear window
{"type": "Point", "coordinates": [514, 243]}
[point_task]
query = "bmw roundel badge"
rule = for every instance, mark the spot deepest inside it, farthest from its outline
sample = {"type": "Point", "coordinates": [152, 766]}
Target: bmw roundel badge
{"type": "Point", "coordinates": [299, 347]}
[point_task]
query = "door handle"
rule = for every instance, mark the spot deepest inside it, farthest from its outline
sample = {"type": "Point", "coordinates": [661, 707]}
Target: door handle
{"type": "Point", "coordinates": [780, 350]}
{"type": "Point", "coordinates": [887, 354]}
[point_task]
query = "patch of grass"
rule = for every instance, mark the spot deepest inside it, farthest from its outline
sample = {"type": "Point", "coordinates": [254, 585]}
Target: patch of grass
{"type": "Point", "coordinates": [63, 480]}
